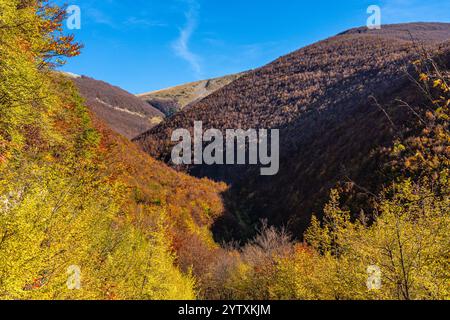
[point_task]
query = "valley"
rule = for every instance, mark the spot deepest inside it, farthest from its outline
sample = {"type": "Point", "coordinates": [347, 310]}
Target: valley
{"type": "Point", "coordinates": [322, 99]}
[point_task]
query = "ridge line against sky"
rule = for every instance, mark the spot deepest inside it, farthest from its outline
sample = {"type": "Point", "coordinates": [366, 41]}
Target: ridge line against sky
{"type": "Point", "coordinates": [147, 45]}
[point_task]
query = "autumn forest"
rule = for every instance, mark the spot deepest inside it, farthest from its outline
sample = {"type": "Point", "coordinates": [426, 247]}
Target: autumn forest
{"type": "Point", "coordinates": [93, 208]}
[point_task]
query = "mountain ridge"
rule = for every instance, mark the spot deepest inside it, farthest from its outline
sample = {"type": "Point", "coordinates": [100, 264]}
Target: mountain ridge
{"type": "Point", "coordinates": [121, 110]}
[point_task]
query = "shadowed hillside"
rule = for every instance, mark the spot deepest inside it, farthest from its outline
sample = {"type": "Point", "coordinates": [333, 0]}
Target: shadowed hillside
{"type": "Point", "coordinates": [121, 110]}
{"type": "Point", "coordinates": [323, 98]}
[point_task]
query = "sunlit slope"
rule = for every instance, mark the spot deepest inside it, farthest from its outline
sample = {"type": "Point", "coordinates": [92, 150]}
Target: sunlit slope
{"type": "Point", "coordinates": [172, 100]}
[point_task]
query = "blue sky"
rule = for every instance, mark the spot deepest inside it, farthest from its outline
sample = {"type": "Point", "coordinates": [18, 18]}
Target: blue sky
{"type": "Point", "coordinates": [144, 45]}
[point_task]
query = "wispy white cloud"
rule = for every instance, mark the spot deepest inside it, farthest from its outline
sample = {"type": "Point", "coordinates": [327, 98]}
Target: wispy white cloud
{"type": "Point", "coordinates": [98, 16]}
{"type": "Point", "coordinates": [136, 21]}
{"type": "Point", "coordinates": [181, 45]}
{"type": "Point", "coordinates": [102, 15]}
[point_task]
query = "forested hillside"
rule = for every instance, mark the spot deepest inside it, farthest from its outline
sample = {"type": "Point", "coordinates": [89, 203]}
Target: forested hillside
{"type": "Point", "coordinates": [121, 110]}
{"type": "Point", "coordinates": [73, 193]}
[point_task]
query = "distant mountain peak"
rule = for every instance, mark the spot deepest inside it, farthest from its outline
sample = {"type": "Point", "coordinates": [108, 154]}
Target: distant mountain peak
{"type": "Point", "coordinates": [173, 99]}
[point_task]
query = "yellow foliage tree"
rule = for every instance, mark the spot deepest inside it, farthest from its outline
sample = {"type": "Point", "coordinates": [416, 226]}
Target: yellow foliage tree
{"type": "Point", "coordinates": [64, 229]}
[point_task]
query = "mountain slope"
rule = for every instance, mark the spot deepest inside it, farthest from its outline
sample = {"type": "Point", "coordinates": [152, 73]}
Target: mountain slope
{"type": "Point", "coordinates": [331, 128]}
{"type": "Point", "coordinates": [191, 205]}
{"type": "Point", "coordinates": [121, 110]}
{"type": "Point", "coordinates": [172, 100]}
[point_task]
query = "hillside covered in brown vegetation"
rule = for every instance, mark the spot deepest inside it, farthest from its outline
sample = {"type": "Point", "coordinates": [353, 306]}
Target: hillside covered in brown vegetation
{"type": "Point", "coordinates": [335, 104]}
{"type": "Point", "coordinates": [121, 110]}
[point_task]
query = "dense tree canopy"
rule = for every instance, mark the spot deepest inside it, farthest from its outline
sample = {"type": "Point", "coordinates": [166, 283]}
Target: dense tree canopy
{"type": "Point", "coordinates": [82, 206]}
{"type": "Point", "coordinates": [64, 206]}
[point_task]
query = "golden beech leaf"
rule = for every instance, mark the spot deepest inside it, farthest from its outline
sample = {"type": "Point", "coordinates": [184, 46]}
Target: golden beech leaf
{"type": "Point", "coordinates": [423, 77]}
{"type": "Point", "coordinates": [437, 83]}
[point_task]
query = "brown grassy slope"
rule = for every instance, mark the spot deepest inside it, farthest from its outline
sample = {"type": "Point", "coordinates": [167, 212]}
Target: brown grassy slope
{"type": "Point", "coordinates": [121, 110]}
{"type": "Point", "coordinates": [331, 130]}
{"type": "Point", "coordinates": [172, 100]}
